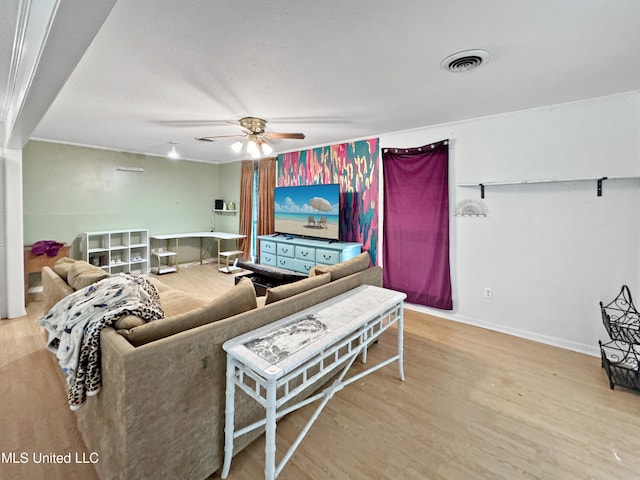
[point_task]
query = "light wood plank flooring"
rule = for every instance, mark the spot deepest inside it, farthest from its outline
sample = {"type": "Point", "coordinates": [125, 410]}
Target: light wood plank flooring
{"type": "Point", "coordinates": [476, 404]}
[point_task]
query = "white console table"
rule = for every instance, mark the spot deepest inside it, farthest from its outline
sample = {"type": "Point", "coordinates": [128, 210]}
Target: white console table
{"type": "Point", "coordinates": [277, 362]}
{"type": "Point", "coordinates": [302, 254]}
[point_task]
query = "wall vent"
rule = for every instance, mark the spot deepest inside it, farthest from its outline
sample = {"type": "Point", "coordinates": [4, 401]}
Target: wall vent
{"type": "Point", "coordinates": [465, 60]}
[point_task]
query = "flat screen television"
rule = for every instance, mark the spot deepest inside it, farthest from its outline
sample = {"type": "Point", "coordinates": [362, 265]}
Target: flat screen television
{"type": "Point", "coordinates": [308, 211]}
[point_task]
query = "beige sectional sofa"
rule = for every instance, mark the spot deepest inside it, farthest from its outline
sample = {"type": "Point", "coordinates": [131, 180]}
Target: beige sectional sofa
{"type": "Point", "coordinates": [160, 412]}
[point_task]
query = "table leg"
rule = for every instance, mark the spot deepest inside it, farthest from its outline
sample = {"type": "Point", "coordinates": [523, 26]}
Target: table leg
{"type": "Point", "coordinates": [270, 433]}
{"type": "Point", "coordinates": [169, 249]}
{"type": "Point", "coordinates": [401, 342]}
{"type": "Point", "coordinates": [228, 418]}
{"type": "Point", "coordinates": [26, 286]}
{"type": "Point", "coordinates": [177, 262]}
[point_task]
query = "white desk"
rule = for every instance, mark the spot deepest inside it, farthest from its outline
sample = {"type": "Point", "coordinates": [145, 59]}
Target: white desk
{"type": "Point", "coordinates": [277, 362]}
{"type": "Point", "coordinates": [219, 236]}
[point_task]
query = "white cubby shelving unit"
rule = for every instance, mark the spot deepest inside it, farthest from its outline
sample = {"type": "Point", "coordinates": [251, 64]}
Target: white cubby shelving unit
{"type": "Point", "coordinates": [117, 251]}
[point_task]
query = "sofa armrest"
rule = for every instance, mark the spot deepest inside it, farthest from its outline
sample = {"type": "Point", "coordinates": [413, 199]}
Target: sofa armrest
{"type": "Point", "coordinates": [54, 288]}
{"type": "Point", "coordinates": [103, 421]}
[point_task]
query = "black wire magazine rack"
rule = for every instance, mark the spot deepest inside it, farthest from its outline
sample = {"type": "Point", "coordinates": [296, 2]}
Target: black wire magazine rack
{"type": "Point", "coordinates": [620, 356]}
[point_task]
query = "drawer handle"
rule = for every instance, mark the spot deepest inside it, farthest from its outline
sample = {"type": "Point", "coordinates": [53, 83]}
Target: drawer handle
{"type": "Point", "coordinates": [304, 254]}
{"type": "Point", "coordinates": [326, 257]}
{"type": "Point", "coordinates": [285, 250]}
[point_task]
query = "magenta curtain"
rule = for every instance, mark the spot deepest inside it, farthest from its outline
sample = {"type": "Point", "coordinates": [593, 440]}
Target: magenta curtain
{"type": "Point", "coordinates": [416, 223]}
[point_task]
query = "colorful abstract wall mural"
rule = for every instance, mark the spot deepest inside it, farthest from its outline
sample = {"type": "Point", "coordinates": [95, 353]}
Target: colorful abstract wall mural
{"type": "Point", "coordinates": [354, 166]}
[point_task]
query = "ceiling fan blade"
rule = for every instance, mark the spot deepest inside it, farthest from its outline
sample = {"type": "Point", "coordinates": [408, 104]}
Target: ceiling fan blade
{"type": "Point", "coordinates": [245, 130]}
{"type": "Point", "coordinates": [215, 137]}
{"type": "Point", "coordinates": [298, 136]}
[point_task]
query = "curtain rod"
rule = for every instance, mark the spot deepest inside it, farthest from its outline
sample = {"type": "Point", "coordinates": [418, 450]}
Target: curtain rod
{"type": "Point", "coordinates": [406, 150]}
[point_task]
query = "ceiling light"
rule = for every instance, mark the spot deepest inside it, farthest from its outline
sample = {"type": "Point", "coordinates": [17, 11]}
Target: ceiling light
{"type": "Point", "coordinates": [173, 154]}
{"type": "Point", "coordinates": [266, 148]}
{"type": "Point", "coordinates": [252, 149]}
{"type": "Point", "coordinates": [254, 145]}
{"type": "Point", "coordinates": [465, 60]}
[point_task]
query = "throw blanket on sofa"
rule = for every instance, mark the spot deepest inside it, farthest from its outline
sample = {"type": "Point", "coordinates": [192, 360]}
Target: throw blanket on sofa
{"type": "Point", "coordinates": [75, 322]}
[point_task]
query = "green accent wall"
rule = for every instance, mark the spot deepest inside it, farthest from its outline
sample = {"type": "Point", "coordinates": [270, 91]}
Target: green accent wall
{"type": "Point", "coordinates": [69, 190]}
{"type": "Point", "coordinates": [229, 191]}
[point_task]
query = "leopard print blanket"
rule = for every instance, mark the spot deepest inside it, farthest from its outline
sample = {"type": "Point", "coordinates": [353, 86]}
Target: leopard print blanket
{"type": "Point", "coordinates": [75, 322]}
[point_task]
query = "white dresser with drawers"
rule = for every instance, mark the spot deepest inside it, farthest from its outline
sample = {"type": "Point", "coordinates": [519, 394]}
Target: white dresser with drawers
{"type": "Point", "coordinates": [301, 254]}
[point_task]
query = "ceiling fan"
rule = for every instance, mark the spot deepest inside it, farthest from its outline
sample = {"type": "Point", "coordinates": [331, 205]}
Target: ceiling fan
{"type": "Point", "coordinates": [256, 136]}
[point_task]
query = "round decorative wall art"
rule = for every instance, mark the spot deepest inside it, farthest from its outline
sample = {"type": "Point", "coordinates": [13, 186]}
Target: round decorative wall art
{"type": "Point", "coordinates": [471, 208]}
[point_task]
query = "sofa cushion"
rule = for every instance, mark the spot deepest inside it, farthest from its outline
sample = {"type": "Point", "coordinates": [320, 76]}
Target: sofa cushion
{"type": "Point", "coordinates": [82, 274]}
{"type": "Point", "coordinates": [175, 302]}
{"type": "Point", "coordinates": [240, 298]}
{"type": "Point", "coordinates": [63, 266]}
{"type": "Point", "coordinates": [343, 269]}
{"type": "Point", "coordinates": [288, 290]}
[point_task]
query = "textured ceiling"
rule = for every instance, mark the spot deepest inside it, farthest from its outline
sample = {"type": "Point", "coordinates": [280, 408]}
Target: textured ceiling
{"type": "Point", "coordinates": [162, 71]}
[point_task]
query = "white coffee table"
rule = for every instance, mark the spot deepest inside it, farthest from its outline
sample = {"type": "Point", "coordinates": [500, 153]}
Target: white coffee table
{"type": "Point", "coordinates": [275, 363]}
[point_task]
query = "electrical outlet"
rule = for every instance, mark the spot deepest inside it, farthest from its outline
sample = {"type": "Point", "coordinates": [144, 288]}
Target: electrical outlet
{"type": "Point", "coordinates": [488, 292]}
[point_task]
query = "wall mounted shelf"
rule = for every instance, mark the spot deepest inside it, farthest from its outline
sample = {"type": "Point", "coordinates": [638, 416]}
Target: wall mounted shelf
{"type": "Point", "coordinates": [224, 211]}
{"type": "Point", "coordinates": [598, 181]}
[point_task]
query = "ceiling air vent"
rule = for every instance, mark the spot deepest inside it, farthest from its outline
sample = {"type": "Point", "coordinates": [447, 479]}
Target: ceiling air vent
{"type": "Point", "coordinates": [465, 60]}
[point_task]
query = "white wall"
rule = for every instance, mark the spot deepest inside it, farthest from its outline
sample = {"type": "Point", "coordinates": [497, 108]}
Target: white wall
{"type": "Point", "coordinates": [3, 270]}
{"type": "Point", "coordinates": [14, 245]}
{"type": "Point", "coordinates": [550, 252]}
{"type": "Point", "coordinates": [229, 191]}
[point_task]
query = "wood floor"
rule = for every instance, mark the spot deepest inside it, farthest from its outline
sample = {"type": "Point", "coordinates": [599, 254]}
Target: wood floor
{"type": "Point", "coordinates": [476, 404]}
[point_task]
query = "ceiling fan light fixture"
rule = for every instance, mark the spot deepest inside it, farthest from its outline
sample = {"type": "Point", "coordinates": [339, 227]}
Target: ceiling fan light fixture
{"type": "Point", "coordinates": [255, 140]}
{"type": "Point", "coordinates": [253, 149]}
{"type": "Point", "coordinates": [266, 149]}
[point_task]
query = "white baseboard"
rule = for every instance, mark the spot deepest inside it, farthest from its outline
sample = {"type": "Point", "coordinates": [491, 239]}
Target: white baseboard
{"type": "Point", "coordinates": [592, 350]}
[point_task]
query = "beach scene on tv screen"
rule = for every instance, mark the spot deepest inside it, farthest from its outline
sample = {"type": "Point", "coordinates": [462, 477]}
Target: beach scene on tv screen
{"type": "Point", "coordinates": [310, 211]}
